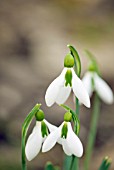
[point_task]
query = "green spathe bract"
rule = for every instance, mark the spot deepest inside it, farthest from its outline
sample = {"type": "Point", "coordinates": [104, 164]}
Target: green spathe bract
{"type": "Point", "coordinates": [69, 61]}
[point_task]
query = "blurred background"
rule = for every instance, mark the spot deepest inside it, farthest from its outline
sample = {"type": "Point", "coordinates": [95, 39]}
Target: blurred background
{"type": "Point", "coordinates": [33, 42]}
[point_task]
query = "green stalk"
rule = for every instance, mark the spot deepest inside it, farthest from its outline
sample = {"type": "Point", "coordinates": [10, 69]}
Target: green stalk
{"type": "Point", "coordinates": [92, 133]}
{"type": "Point", "coordinates": [25, 127]}
{"type": "Point", "coordinates": [76, 159]}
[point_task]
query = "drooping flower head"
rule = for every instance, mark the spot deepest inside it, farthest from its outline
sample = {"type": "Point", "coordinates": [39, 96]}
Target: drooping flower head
{"type": "Point", "coordinates": [65, 136]}
{"type": "Point", "coordinates": [38, 136]}
{"type": "Point", "coordinates": [93, 82]}
{"type": "Point", "coordinates": [60, 89]}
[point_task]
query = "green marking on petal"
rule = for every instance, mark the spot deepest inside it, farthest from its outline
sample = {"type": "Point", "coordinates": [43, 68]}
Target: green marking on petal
{"type": "Point", "coordinates": [92, 82]}
{"type": "Point", "coordinates": [64, 131]}
{"type": "Point", "coordinates": [68, 78]}
{"type": "Point", "coordinates": [44, 129]}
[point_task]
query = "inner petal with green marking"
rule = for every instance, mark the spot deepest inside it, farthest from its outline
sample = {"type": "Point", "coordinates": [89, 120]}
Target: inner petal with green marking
{"type": "Point", "coordinates": [68, 78]}
{"type": "Point", "coordinates": [44, 129]}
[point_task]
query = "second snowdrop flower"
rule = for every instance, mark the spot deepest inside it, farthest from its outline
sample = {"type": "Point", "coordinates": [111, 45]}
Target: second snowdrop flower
{"type": "Point", "coordinates": [38, 136]}
{"type": "Point", "coordinates": [66, 137]}
{"type": "Point", "coordinates": [59, 90]}
{"type": "Point", "coordinates": [93, 82]}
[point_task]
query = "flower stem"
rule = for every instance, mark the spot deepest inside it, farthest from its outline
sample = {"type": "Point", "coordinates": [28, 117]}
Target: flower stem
{"type": "Point", "coordinates": [72, 163]}
{"type": "Point", "coordinates": [92, 133]}
{"type": "Point", "coordinates": [25, 127]}
{"type": "Point", "coordinates": [76, 160]}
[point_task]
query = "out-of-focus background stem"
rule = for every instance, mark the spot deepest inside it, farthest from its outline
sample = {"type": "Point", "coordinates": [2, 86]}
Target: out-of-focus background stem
{"type": "Point", "coordinates": [92, 132]}
{"type": "Point", "coordinates": [33, 42]}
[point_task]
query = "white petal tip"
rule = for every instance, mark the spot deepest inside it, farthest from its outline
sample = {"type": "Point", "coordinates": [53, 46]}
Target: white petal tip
{"type": "Point", "coordinates": [81, 152]}
{"type": "Point", "coordinates": [111, 101]}
{"type": "Point", "coordinates": [80, 155]}
{"type": "Point", "coordinates": [87, 102]}
{"type": "Point", "coordinates": [29, 159]}
{"type": "Point", "coordinates": [49, 105]}
{"type": "Point", "coordinates": [44, 149]}
{"type": "Point", "coordinates": [111, 98]}
{"type": "Point", "coordinates": [29, 156]}
{"type": "Point", "coordinates": [88, 105]}
{"type": "Point", "coordinates": [48, 102]}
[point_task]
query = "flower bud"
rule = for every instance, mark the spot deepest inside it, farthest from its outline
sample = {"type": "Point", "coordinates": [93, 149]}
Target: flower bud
{"type": "Point", "coordinates": [67, 117]}
{"type": "Point", "coordinates": [39, 115]}
{"type": "Point", "coordinates": [69, 61]}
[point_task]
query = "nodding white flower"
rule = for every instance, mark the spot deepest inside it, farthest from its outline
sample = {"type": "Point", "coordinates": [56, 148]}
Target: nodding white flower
{"type": "Point", "coordinates": [93, 82]}
{"type": "Point", "coordinates": [59, 90]}
{"type": "Point", "coordinates": [37, 137]}
{"type": "Point", "coordinates": [69, 140]}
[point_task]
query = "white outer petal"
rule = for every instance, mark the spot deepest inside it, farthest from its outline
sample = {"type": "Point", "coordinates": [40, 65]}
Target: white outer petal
{"type": "Point", "coordinates": [87, 81]}
{"type": "Point", "coordinates": [53, 89]}
{"type": "Point", "coordinates": [80, 90]}
{"type": "Point", "coordinates": [63, 94]}
{"type": "Point", "coordinates": [74, 142]}
{"type": "Point", "coordinates": [50, 126]}
{"type": "Point", "coordinates": [103, 90]}
{"type": "Point", "coordinates": [66, 147]}
{"type": "Point", "coordinates": [50, 141]}
{"type": "Point", "coordinates": [34, 142]}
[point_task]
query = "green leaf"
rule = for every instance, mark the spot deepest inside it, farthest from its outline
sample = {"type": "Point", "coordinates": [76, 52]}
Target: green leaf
{"type": "Point", "coordinates": [106, 163]}
{"type": "Point", "coordinates": [49, 166]}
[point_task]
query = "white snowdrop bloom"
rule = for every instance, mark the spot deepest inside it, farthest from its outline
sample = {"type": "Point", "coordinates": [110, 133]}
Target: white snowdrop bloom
{"type": "Point", "coordinates": [60, 89]}
{"type": "Point", "coordinates": [93, 82]}
{"type": "Point", "coordinates": [69, 140]}
{"type": "Point", "coordinates": [37, 137]}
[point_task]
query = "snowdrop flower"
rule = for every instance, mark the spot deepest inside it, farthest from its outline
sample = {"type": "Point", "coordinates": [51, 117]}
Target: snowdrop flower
{"type": "Point", "coordinates": [64, 134]}
{"type": "Point", "coordinates": [38, 136]}
{"type": "Point", "coordinates": [59, 90]}
{"type": "Point", "coordinates": [93, 82]}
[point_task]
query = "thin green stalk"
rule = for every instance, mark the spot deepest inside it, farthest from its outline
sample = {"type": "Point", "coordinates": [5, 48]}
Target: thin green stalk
{"type": "Point", "coordinates": [76, 160]}
{"type": "Point", "coordinates": [92, 133]}
{"type": "Point", "coordinates": [25, 127]}
{"type": "Point", "coordinates": [77, 106]}
{"type": "Point", "coordinates": [72, 163]}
